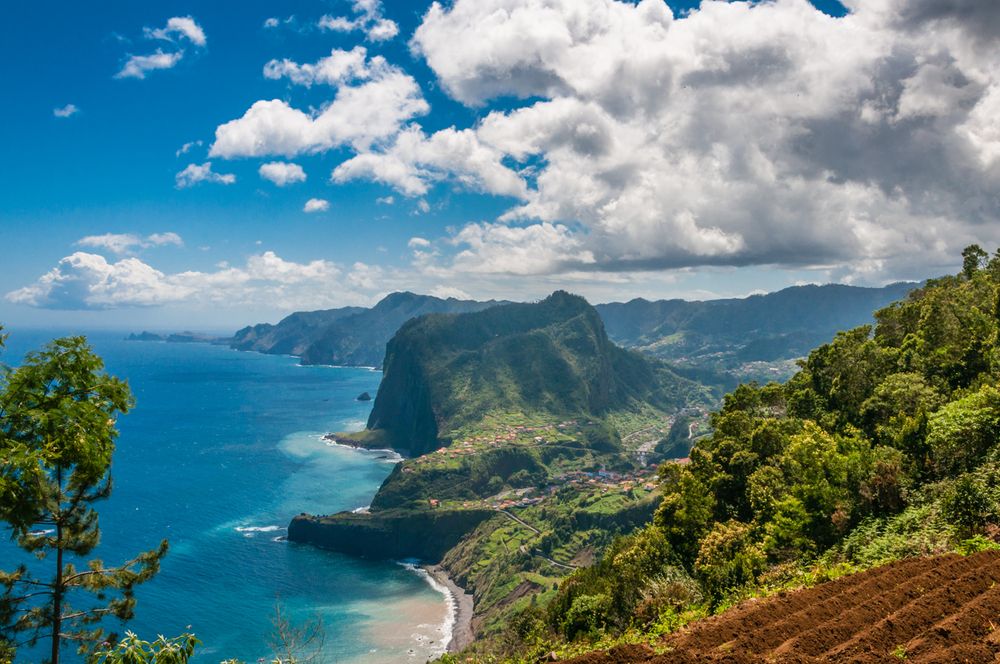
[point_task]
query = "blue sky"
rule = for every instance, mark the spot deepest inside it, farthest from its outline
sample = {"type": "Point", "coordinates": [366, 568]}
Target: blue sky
{"type": "Point", "coordinates": [494, 149]}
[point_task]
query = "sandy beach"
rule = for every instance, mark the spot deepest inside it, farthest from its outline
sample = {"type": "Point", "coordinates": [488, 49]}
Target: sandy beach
{"type": "Point", "coordinates": [462, 630]}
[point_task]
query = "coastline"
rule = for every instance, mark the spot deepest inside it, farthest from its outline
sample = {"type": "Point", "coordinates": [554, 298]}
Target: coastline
{"type": "Point", "coordinates": [458, 624]}
{"type": "Point", "coordinates": [461, 604]}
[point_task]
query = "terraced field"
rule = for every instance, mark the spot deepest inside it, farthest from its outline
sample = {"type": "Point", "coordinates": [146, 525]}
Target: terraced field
{"type": "Point", "coordinates": [921, 610]}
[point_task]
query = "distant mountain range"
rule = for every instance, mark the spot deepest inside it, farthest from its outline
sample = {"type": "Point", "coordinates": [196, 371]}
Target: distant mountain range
{"type": "Point", "coordinates": [780, 325]}
{"type": "Point", "coordinates": [349, 336]}
{"type": "Point", "coordinates": [714, 335]}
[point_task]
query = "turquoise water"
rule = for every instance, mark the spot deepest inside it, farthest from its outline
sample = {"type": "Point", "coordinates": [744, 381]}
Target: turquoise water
{"type": "Point", "coordinates": [221, 450]}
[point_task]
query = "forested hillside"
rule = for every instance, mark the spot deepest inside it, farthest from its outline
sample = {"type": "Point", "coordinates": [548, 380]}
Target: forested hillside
{"type": "Point", "coordinates": [884, 445]}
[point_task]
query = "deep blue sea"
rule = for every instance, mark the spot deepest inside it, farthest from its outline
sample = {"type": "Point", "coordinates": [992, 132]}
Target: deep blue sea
{"type": "Point", "coordinates": [221, 450]}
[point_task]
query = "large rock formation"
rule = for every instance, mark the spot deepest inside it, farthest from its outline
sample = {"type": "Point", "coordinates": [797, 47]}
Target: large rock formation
{"type": "Point", "coordinates": [392, 534]}
{"type": "Point", "coordinates": [552, 357]}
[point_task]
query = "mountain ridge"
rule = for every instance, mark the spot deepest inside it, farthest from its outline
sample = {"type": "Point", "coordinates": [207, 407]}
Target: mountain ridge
{"type": "Point", "coordinates": [353, 336]}
{"type": "Point", "coordinates": [719, 342]}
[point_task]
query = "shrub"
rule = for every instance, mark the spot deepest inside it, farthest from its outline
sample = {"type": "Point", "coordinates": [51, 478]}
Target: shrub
{"type": "Point", "coordinates": [587, 615]}
{"type": "Point", "coordinates": [672, 591]}
{"type": "Point", "coordinates": [728, 559]}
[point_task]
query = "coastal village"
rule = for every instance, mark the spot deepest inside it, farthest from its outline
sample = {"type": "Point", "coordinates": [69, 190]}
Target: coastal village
{"type": "Point", "coordinates": [634, 483]}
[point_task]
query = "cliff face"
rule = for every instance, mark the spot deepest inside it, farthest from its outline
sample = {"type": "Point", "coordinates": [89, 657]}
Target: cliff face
{"type": "Point", "coordinates": [444, 371]}
{"type": "Point", "coordinates": [392, 534]}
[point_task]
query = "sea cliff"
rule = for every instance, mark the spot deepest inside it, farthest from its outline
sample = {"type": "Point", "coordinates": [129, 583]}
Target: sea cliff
{"type": "Point", "coordinates": [390, 534]}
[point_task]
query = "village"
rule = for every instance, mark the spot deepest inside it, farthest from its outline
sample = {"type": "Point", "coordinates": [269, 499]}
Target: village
{"type": "Point", "coordinates": [630, 484]}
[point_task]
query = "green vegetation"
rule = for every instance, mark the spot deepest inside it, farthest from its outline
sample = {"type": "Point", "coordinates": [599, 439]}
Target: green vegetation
{"type": "Point", "coordinates": [720, 342]}
{"type": "Point", "coordinates": [57, 433]}
{"type": "Point", "coordinates": [533, 435]}
{"type": "Point", "coordinates": [444, 372]}
{"type": "Point", "coordinates": [133, 650]}
{"type": "Point", "coordinates": [883, 445]}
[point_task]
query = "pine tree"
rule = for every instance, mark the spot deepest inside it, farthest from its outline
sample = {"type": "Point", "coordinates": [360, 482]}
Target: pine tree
{"type": "Point", "coordinates": [57, 434]}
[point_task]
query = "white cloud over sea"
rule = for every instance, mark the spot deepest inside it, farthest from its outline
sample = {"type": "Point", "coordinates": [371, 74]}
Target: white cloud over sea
{"type": "Point", "coordinates": [83, 281]}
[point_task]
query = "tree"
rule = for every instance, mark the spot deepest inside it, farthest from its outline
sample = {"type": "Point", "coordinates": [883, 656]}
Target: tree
{"type": "Point", "coordinates": [728, 558]}
{"type": "Point", "coordinates": [296, 644]}
{"type": "Point", "coordinates": [57, 430]}
{"type": "Point", "coordinates": [962, 432]}
{"type": "Point", "coordinates": [973, 258]}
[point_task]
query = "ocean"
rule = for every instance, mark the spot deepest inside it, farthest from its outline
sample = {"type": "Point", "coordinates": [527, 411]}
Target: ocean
{"type": "Point", "coordinates": [222, 449]}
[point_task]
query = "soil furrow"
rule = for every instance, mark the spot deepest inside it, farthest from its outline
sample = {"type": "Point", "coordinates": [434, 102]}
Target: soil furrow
{"type": "Point", "coordinates": [926, 610]}
{"type": "Point", "coordinates": [754, 618]}
{"type": "Point", "coordinates": [819, 626]}
{"type": "Point", "coordinates": [922, 612]}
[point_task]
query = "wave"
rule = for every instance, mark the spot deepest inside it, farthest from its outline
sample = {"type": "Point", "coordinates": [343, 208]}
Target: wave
{"type": "Point", "coordinates": [41, 533]}
{"type": "Point", "coordinates": [447, 628]}
{"type": "Point", "coordinates": [250, 531]}
{"type": "Point", "coordinates": [386, 455]}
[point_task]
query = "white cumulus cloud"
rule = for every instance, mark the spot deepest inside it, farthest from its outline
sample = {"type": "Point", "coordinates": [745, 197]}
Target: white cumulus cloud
{"type": "Point", "coordinates": [358, 116]}
{"type": "Point", "coordinates": [194, 174]}
{"type": "Point", "coordinates": [335, 69]}
{"type": "Point", "coordinates": [179, 27]}
{"type": "Point", "coordinates": [282, 173]}
{"type": "Point", "coordinates": [137, 66]}
{"type": "Point", "coordinates": [416, 160]}
{"type": "Point", "coordinates": [368, 18]}
{"type": "Point", "coordinates": [187, 147]}
{"type": "Point", "coordinates": [89, 281]}
{"type": "Point", "coordinates": [739, 134]}
{"type": "Point", "coordinates": [316, 205]}
{"type": "Point", "coordinates": [125, 243]}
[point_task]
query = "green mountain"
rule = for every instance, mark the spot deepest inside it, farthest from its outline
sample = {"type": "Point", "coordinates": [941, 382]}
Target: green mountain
{"type": "Point", "coordinates": [446, 371]}
{"type": "Point", "coordinates": [532, 492]}
{"type": "Point", "coordinates": [350, 336]}
{"type": "Point", "coordinates": [781, 325]}
{"type": "Point", "coordinates": [710, 340]}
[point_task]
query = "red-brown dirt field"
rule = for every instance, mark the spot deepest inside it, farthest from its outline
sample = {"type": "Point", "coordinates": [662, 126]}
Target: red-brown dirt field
{"type": "Point", "coordinates": [920, 610]}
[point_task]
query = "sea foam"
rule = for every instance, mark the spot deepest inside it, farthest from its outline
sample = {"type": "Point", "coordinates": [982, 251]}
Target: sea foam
{"type": "Point", "coordinates": [447, 628]}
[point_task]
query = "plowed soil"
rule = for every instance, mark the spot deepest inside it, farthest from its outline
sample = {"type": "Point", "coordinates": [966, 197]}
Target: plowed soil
{"type": "Point", "coordinates": [921, 610]}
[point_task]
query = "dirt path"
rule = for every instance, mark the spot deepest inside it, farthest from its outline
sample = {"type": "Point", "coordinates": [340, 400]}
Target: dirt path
{"type": "Point", "coordinates": [921, 610]}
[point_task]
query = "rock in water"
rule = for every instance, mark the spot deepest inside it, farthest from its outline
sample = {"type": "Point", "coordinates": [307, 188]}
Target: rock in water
{"type": "Point", "coordinates": [364, 396]}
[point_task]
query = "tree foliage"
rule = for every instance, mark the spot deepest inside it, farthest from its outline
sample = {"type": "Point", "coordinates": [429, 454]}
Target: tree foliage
{"type": "Point", "coordinates": [58, 413]}
{"type": "Point", "coordinates": [887, 434]}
